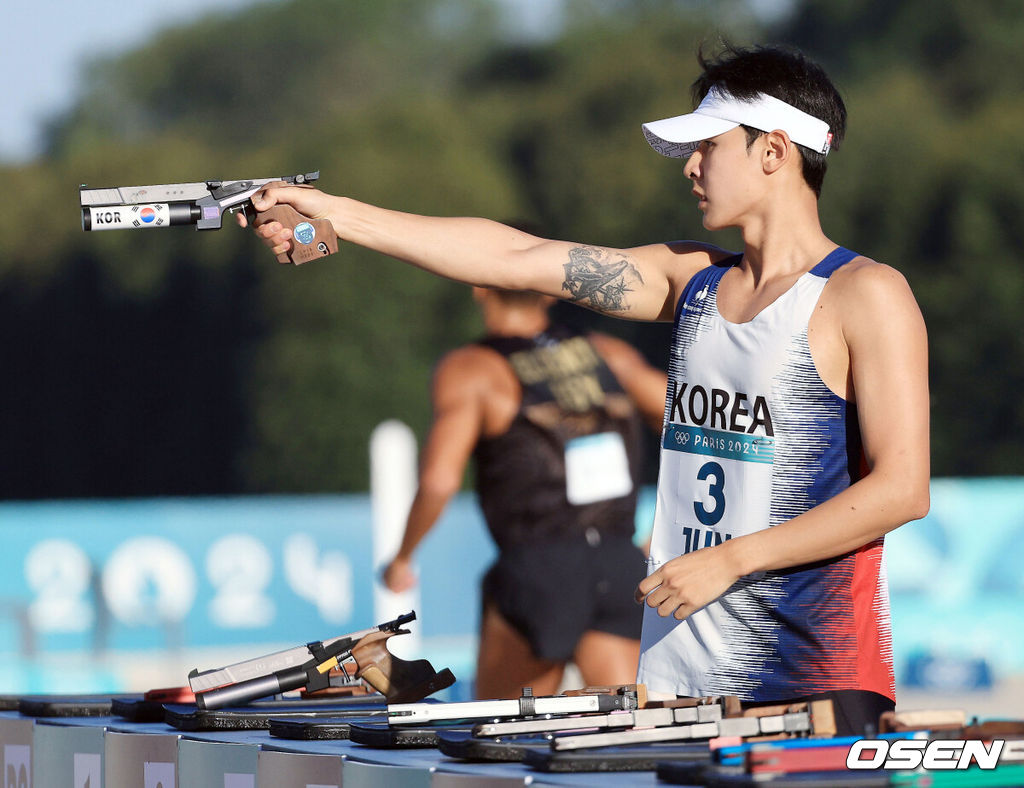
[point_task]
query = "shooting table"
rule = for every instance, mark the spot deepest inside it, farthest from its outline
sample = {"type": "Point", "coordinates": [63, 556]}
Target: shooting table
{"type": "Point", "coordinates": [115, 752]}
{"type": "Point", "coordinates": [95, 749]}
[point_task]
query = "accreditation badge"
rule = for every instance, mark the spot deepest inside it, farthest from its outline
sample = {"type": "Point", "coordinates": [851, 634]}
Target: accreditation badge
{"type": "Point", "coordinates": [596, 469]}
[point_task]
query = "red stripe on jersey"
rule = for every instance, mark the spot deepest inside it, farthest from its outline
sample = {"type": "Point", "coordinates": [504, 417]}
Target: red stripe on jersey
{"type": "Point", "coordinates": [871, 620]}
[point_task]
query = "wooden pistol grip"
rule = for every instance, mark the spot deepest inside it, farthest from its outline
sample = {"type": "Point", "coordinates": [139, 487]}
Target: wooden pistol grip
{"type": "Point", "coordinates": [990, 729]}
{"type": "Point", "coordinates": [311, 238]}
{"type": "Point", "coordinates": [399, 680]}
{"type": "Point", "coordinates": [615, 689]}
{"type": "Point", "coordinates": [925, 719]}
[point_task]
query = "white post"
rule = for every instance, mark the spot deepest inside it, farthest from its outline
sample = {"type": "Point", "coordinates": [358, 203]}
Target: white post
{"type": "Point", "coordinates": [393, 479]}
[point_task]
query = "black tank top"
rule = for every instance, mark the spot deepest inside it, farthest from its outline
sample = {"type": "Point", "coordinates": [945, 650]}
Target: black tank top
{"type": "Point", "coordinates": [568, 392]}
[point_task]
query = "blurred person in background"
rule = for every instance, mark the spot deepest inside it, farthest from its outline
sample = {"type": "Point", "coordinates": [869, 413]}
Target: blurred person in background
{"type": "Point", "coordinates": [552, 420]}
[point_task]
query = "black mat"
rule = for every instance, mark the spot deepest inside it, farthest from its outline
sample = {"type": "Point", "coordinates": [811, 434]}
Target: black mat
{"type": "Point", "coordinates": [467, 747]}
{"type": "Point", "coordinates": [137, 709]}
{"type": "Point", "coordinates": [382, 735]}
{"type": "Point", "coordinates": [68, 705]}
{"type": "Point", "coordinates": [257, 716]}
{"type": "Point", "coordinates": [316, 728]}
{"type": "Point", "coordinates": [638, 758]}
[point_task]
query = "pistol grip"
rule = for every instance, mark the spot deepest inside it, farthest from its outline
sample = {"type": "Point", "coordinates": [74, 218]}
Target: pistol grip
{"type": "Point", "coordinates": [311, 238]}
{"type": "Point", "coordinates": [398, 680]}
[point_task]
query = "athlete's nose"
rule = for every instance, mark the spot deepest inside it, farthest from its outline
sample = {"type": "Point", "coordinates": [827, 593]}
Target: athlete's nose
{"type": "Point", "coordinates": [692, 165]}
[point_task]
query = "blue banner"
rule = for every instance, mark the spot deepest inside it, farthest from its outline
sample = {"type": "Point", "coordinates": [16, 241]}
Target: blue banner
{"type": "Point", "coordinates": [103, 578]}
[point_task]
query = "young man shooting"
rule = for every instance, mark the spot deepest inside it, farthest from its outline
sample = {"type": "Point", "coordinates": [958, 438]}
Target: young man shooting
{"type": "Point", "coordinates": [796, 426]}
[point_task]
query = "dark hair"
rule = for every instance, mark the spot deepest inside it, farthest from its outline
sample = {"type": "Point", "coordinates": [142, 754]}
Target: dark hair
{"type": "Point", "coordinates": [785, 74]}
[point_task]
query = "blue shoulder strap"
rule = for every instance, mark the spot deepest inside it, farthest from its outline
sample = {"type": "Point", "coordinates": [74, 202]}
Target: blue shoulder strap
{"type": "Point", "coordinates": [705, 279]}
{"type": "Point", "coordinates": [836, 259]}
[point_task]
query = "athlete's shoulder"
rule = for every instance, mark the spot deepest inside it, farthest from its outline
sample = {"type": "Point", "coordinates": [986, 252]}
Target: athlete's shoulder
{"type": "Point", "coordinates": [863, 277]}
{"type": "Point", "coordinates": [865, 290]}
{"type": "Point", "coordinates": [469, 365]}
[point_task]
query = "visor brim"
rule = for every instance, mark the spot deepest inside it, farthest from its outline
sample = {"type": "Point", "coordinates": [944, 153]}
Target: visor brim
{"type": "Point", "coordinates": [678, 137]}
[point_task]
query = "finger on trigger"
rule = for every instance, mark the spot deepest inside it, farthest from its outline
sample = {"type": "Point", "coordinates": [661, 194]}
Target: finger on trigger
{"type": "Point", "coordinates": [261, 200]}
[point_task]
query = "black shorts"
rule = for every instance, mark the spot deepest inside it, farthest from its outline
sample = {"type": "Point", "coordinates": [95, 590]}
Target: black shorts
{"type": "Point", "coordinates": [857, 711]}
{"type": "Point", "coordinates": [554, 592]}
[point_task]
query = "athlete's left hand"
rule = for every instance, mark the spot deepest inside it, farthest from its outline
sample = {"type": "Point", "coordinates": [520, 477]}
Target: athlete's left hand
{"type": "Point", "coordinates": [684, 585]}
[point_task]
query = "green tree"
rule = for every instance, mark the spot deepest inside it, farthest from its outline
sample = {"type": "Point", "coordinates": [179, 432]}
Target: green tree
{"type": "Point", "coordinates": [931, 180]}
{"type": "Point", "coordinates": [173, 362]}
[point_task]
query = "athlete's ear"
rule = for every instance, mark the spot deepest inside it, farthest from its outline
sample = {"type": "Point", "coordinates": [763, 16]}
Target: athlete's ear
{"type": "Point", "coordinates": [778, 148]}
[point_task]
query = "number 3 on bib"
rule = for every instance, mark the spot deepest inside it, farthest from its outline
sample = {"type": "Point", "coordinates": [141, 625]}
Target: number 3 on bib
{"type": "Point", "coordinates": [714, 474]}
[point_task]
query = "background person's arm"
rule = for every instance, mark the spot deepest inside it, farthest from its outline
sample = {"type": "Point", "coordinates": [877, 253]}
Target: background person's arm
{"type": "Point", "coordinates": [645, 384]}
{"type": "Point", "coordinates": [458, 418]}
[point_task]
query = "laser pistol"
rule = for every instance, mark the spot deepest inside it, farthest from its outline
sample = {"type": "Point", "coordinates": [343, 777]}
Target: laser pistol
{"type": "Point", "coordinates": [203, 204]}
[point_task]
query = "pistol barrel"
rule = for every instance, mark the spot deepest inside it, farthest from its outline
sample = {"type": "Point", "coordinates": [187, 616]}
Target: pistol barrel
{"type": "Point", "coordinates": [139, 216]}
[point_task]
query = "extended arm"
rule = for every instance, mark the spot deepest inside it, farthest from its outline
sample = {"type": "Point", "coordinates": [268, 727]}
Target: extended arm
{"type": "Point", "coordinates": [639, 284]}
{"type": "Point", "coordinates": [458, 413]}
{"type": "Point", "coordinates": [885, 335]}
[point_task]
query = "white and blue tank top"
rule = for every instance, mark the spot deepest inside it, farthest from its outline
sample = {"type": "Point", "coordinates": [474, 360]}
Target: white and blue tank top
{"type": "Point", "coordinates": [753, 438]}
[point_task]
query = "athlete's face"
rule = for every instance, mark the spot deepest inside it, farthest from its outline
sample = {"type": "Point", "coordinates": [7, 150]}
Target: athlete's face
{"type": "Point", "coordinates": [725, 178]}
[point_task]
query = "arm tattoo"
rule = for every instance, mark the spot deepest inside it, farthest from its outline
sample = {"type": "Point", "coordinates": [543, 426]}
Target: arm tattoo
{"type": "Point", "coordinates": [600, 278]}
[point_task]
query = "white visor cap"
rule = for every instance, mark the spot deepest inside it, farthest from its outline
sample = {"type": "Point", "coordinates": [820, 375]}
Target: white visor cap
{"type": "Point", "coordinates": [719, 112]}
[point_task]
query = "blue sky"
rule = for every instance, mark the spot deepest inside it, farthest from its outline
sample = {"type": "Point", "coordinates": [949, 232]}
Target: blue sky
{"type": "Point", "coordinates": [43, 45]}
